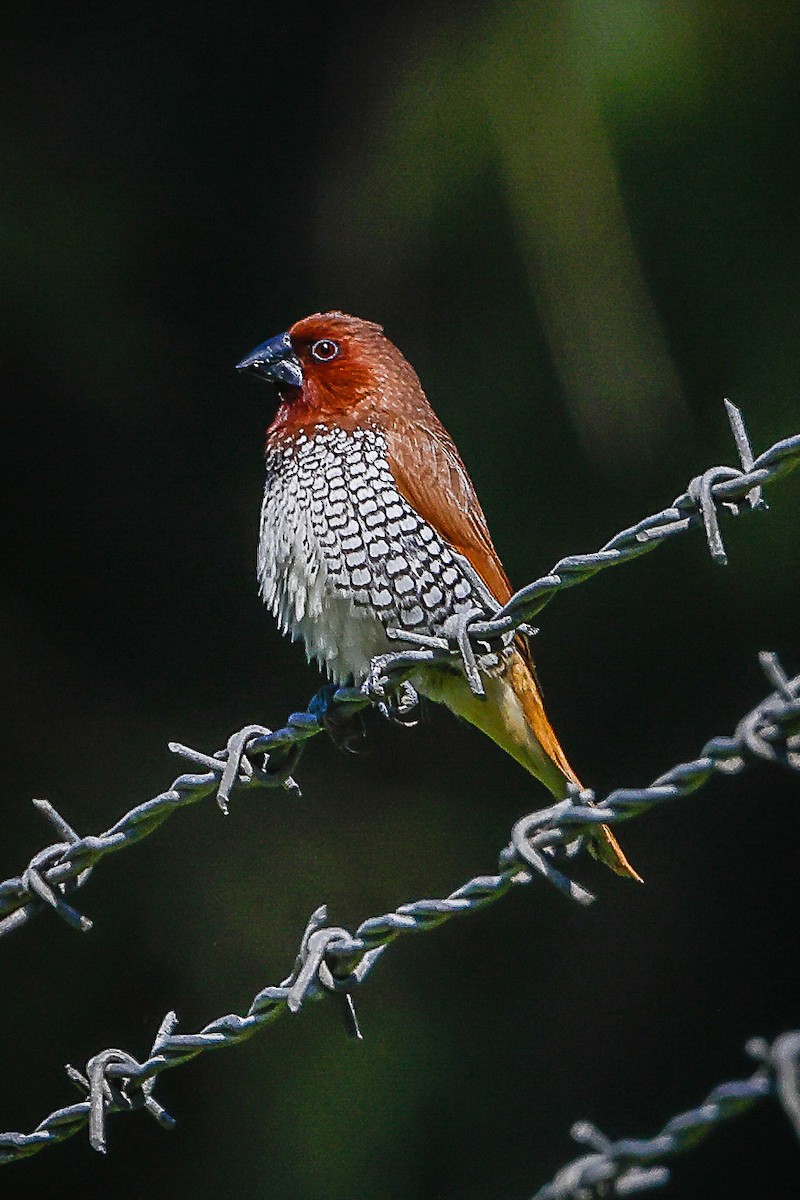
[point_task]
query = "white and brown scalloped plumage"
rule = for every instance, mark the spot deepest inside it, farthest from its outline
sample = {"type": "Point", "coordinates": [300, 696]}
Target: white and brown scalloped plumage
{"type": "Point", "coordinates": [370, 521]}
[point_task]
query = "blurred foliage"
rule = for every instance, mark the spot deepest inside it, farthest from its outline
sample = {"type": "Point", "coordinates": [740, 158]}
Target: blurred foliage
{"type": "Point", "coordinates": [579, 220]}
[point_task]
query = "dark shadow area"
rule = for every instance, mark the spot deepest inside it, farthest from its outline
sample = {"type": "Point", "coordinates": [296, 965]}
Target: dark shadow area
{"type": "Point", "coordinates": [579, 222]}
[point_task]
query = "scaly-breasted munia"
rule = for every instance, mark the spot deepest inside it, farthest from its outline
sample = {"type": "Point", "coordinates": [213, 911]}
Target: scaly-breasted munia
{"type": "Point", "coordinates": [370, 522]}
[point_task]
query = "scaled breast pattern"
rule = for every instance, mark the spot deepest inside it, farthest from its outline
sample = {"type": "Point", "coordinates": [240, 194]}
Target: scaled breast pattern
{"type": "Point", "coordinates": [343, 556]}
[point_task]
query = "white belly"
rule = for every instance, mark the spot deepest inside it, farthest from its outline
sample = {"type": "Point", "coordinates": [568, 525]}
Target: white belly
{"type": "Point", "coordinates": [343, 556]}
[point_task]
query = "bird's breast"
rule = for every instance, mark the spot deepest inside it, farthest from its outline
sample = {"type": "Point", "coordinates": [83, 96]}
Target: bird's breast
{"type": "Point", "coordinates": [343, 556]}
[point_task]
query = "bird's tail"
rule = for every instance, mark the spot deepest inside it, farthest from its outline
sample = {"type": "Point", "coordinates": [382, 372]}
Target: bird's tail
{"type": "Point", "coordinates": [512, 715]}
{"type": "Point", "coordinates": [552, 766]}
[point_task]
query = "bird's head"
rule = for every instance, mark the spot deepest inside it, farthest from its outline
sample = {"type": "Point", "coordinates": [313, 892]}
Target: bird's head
{"type": "Point", "coordinates": [333, 366]}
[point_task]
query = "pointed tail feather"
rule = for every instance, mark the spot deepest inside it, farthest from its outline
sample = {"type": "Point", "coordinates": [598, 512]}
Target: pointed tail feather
{"type": "Point", "coordinates": [602, 844]}
{"type": "Point", "coordinates": [512, 715]}
{"type": "Point", "coordinates": [606, 849]}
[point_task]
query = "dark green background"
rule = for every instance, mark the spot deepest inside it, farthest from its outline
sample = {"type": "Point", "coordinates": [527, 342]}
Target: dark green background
{"type": "Point", "coordinates": [580, 222]}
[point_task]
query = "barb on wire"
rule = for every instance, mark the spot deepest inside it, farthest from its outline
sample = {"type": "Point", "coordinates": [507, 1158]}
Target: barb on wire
{"type": "Point", "coordinates": [66, 865]}
{"type": "Point", "coordinates": [730, 487]}
{"type": "Point", "coordinates": [331, 960]}
{"type": "Point", "coordinates": [632, 1165]}
{"type": "Point", "coordinates": [771, 732]}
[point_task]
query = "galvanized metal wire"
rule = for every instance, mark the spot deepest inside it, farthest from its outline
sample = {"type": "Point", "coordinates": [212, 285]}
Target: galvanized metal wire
{"type": "Point", "coordinates": [632, 1165]}
{"type": "Point", "coordinates": [333, 960]}
{"type": "Point", "coordinates": [258, 757]}
{"type": "Point", "coordinates": [736, 490]}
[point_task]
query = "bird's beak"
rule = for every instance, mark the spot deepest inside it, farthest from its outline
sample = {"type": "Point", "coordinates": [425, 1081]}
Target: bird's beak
{"type": "Point", "coordinates": [274, 361]}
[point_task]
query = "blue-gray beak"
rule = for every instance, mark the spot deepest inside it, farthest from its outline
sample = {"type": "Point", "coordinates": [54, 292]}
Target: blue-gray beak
{"type": "Point", "coordinates": [274, 361]}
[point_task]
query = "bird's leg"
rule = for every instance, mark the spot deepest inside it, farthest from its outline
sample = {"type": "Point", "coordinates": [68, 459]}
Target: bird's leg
{"type": "Point", "coordinates": [395, 700]}
{"type": "Point", "coordinates": [404, 705]}
{"type": "Point", "coordinates": [375, 685]}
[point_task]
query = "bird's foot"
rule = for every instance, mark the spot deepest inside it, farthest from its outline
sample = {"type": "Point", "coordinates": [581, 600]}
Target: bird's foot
{"type": "Point", "coordinates": [375, 686]}
{"type": "Point", "coordinates": [395, 701]}
{"type": "Point", "coordinates": [403, 706]}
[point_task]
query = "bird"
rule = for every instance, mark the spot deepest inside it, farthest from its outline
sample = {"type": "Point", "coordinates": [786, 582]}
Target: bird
{"type": "Point", "coordinates": [371, 522]}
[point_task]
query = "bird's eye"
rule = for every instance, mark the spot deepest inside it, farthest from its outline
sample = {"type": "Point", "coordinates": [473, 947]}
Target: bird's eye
{"type": "Point", "coordinates": [324, 350]}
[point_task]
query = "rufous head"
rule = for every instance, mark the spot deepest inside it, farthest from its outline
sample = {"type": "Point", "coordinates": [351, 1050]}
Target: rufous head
{"type": "Point", "coordinates": [333, 366]}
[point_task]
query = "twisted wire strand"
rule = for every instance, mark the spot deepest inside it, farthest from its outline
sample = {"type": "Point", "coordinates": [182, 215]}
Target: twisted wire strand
{"type": "Point", "coordinates": [733, 489]}
{"type": "Point", "coordinates": [332, 960]}
{"type": "Point", "coordinates": [65, 866]}
{"type": "Point", "coordinates": [630, 1165]}
{"type": "Point", "coordinates": [771, 731]}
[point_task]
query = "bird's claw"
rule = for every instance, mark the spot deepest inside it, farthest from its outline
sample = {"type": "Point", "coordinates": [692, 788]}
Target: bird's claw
{"type": "Point", "coordinates": [396, 702]}
{"type": "Point", "coordinates": [374, 686]}
{"type": "Point", "coordinates": [403, 706]}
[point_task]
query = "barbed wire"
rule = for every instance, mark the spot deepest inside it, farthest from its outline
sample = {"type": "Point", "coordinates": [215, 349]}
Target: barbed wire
{"type": "Point", "coordinates": [332, 960]}
{"type": "Point", "coordinates": [627, 1166]}
{"type": "Point", "coordinates": [771, 731]}
{"type": "Point", "coordinates": [731, 488]}
{"type": "Point", "coordinates": [65, 866]}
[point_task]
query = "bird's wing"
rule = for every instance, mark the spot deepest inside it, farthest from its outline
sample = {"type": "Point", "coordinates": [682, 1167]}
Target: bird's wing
{"type": "Point", "coordinates": [430, 475]}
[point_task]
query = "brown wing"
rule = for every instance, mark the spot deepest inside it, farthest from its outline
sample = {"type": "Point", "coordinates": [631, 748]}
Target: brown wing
{"type": "Point", "coordinates": [431, 476]}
